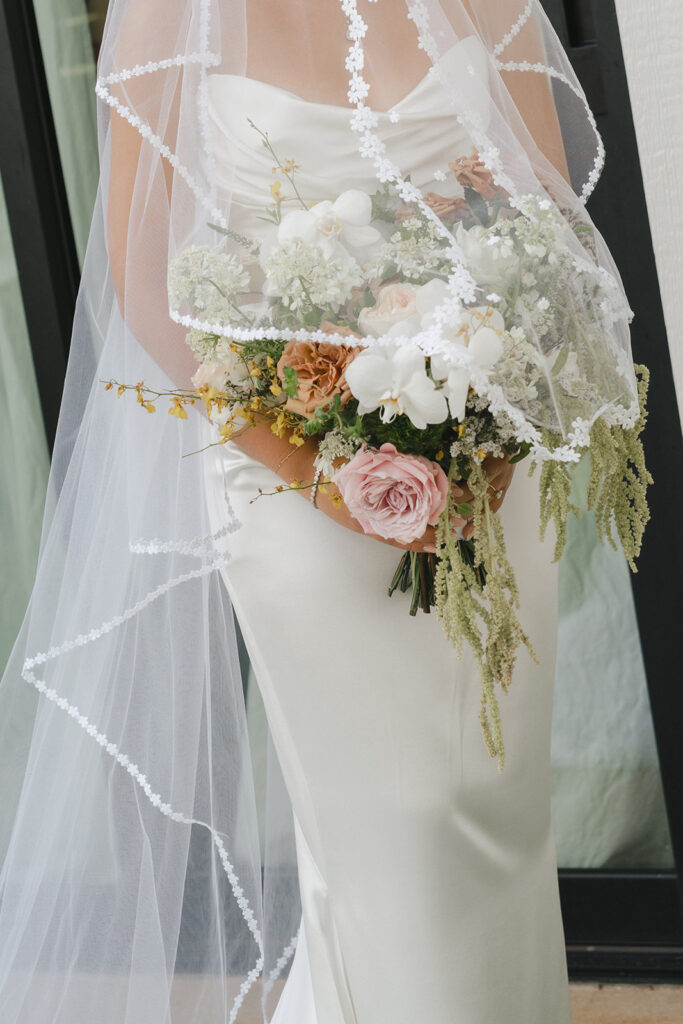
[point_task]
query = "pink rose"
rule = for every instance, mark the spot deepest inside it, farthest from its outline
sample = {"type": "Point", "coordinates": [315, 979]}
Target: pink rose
{"type": "Point", "coordinates": [393, 495]}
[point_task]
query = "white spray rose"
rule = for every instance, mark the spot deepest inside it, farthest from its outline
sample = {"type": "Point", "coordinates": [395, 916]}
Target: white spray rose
{"type": "Point", "coordinates": [477, 339]}
{"type": "Point", "coordinates": [223, 367]}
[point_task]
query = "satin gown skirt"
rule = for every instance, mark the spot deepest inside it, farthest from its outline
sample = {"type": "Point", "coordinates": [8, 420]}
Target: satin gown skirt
{"type": "Point", "coordinates": [428, 879]}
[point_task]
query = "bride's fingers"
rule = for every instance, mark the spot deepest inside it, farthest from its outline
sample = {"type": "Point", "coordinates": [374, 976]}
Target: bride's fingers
{"type": "Point", "coordinates": [462, 494]}
{"type": "Point", "coordinates": [493, 464]}
{"type": "Point", "coordinates": [426, 543]}
{"type": "Point", "coordinates": [468, 531]}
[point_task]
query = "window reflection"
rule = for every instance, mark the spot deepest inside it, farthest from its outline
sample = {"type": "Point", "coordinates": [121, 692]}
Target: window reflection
{"type": "Point", "coordinates": [70, 35]}
{"type": "Point", "coordinates": [608, 803]}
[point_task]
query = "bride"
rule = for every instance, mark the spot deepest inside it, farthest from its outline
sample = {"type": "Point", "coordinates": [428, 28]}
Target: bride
{"type": "Point", "coordinates": [140, 883]}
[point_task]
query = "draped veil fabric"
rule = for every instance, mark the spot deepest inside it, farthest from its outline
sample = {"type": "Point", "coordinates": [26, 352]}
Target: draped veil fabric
{"type": "Point", "coordinates": [134, 855]}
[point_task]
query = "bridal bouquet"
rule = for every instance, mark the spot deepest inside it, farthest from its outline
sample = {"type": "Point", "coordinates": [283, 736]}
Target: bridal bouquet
{"type": "Point", "coordinates": [400, 432]}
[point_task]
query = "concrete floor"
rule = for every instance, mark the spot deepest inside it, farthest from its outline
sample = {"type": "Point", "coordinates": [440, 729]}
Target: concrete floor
{"type": "Point", "coordinates": [595, 1004]}
{"type": "Point", "coordinates": [591, 1003]}
{"type": "Point", "coordinates": [626, 1004]}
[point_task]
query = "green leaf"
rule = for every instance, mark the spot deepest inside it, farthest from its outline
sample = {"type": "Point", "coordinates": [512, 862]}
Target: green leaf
{"type": "Point", "coordinates": [465, 509]}
{"type": "Point", "coordinates": [524, 450]}
{"type": "Point", "coordinates": [477, 205]}
{"type": "Point", "coordinates": [560, 361]}
{"type": "Point", "coordinates": [291, 387]}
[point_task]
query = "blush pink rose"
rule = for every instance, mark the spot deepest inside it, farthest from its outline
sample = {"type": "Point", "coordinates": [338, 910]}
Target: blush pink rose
{"type": "Point", "coordinates": [393, 495]}
{"type": "Point", "coordinates": [395, 303]}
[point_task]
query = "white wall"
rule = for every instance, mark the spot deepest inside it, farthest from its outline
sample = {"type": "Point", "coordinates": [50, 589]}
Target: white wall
{"type": "Point", "coordinates": [652, 40]}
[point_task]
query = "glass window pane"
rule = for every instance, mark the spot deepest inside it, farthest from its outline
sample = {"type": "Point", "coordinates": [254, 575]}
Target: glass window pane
{"type": "Point", "coordinates": [23, 450]}
{"type": "Point", "coordinates": [608, 804]}
{"type": "Point", "coordinates": [70, 32]}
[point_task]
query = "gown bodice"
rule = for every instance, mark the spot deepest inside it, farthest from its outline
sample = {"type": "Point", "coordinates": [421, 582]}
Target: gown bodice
{"type": "Point", "coordinates": [421, 132]}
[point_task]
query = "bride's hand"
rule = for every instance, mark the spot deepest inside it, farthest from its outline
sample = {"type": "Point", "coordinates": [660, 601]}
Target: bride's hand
{"type": "Point", "coordinates": [499, 473]}
{"type": "Point", "coordinates": [276, 453]}
{"type": "Point", "coordinates": [337, 510]}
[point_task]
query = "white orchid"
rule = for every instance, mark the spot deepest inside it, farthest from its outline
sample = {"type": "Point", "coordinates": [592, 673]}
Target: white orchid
{"type": "Point", "coordinates": [484, 350]}
{"type": "Point", "coordinates": [394, 379]}
{"type": "Point", "coordinates": [345, 222]}
{"type": "Point", "coordinates": [404, 310]}
{"type": "Point", "coordinates": [477, 340]}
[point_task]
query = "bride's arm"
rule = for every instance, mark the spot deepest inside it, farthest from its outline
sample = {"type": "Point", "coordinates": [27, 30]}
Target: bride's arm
{"type": "Point", "coordinates": [139, 278]}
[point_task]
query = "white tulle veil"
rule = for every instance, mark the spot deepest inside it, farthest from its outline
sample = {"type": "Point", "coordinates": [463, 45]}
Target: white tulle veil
{"type": "Point", "coordinates": [138, 885]}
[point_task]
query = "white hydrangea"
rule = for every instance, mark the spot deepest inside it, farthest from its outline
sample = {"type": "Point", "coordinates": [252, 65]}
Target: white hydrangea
{"type": "Point", "coordinates": [415, 251]}
{"type": "Point", "coordinates": [302, 277]}
{"type": "Point", "coordinates": [209, 279]}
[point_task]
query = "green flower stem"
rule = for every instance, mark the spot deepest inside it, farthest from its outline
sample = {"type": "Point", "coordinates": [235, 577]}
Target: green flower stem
{"type": "Point", "coordinates": [276, 158]}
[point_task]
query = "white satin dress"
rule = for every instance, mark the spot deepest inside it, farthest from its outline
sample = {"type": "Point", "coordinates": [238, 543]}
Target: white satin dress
{"type": "Point", "coordinates": [428, 879]}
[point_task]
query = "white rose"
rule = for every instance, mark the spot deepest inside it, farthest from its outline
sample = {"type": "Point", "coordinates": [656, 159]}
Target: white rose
{"type": "Point", "coordinates": [489, 265]}
{"type": "Point", "coordinates": [225, 367]}
{"type": "Point", "coordinates": [396, 306]}
{"type": "Point", "coordinates": [209, 374]}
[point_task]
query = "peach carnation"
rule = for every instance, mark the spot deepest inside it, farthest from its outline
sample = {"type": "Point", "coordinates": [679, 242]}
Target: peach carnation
{"type": "Point", "coordinates": [320, 368]}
